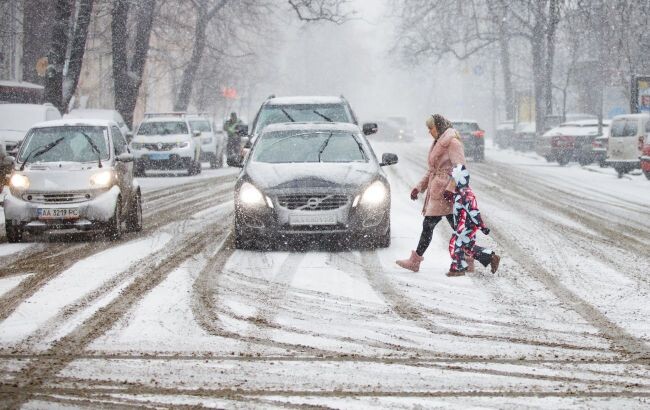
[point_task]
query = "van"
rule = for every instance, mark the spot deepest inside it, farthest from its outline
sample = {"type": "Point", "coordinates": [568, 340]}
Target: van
{"type": "Point", "coordinates": [17, 119]}
{"type": "Point", "coordinates": [623, 151]}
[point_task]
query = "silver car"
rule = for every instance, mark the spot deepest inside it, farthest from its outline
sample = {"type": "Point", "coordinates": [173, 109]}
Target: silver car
{"type": "Point", "coordinates": [73, 174]}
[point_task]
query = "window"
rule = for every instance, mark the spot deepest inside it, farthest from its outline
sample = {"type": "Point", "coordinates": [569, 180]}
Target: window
{"type": "Point", "coordinates": [163, 128]}
{"type": "Point", "coordinates": [200, 125]}
{"type": "Point", "coordinates": [118, 141]}
{"type": "Point", "coordinates": [271, 114]}
{"type": "Point", "coordinates": [624, 128]}
{"type": "Point", "coordinates": [68, 144]}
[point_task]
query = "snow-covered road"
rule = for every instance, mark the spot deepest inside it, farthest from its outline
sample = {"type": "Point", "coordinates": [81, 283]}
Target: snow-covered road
{"type": "Point", "coordinates": [174, 316]}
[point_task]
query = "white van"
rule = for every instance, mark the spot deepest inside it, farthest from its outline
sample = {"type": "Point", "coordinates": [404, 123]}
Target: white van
{"type": "Point", "coordinates": [17, 119]}
{"type": "Point", "coordinates": [623, 150]}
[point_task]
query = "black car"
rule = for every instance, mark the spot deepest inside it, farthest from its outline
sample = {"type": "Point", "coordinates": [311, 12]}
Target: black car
{"type": "Point", "coordinates": [473, 138]}
{"type": "Point", "coordinates": [310, 180]}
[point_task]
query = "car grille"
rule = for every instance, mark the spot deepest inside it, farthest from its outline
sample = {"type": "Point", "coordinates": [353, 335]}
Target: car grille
{"type": "Point", "coordinates": [160, 146]}
{"type": "Point", "coordinates": [57, 198]}
{"type": "Point", "coordinates": [311, 202]}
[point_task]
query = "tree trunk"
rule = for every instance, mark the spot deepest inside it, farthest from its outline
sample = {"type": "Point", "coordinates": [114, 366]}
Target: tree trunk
{"type": "Point", "coordinates": [553, 20]}
{"type": "Point", "coordinates": [57, 54]}
{"type": "Point", "coordinates": [537, 48]}
{"type": "Point", "coordinates": [127, 78]}
{"type": "Point", "coordinates": [185, 91]}
{"type": "Point", "coordinates": [507, 77]}
{"type": "Point", "coordinates": [78, 47]}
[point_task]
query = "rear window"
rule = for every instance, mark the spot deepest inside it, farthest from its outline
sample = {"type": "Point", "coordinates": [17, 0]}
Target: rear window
{"type": "Point", "coordinates": [272, 114]}
{"type": "Point", "coordinates": [465, 127]}
{"type": "Point", "coordinates": [624, 128]}
{"type": "Point", "coordinates": [162, 128]}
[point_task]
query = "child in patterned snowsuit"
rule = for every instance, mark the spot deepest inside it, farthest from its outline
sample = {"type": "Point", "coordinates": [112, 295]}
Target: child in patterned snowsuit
{"type": "Point", "coordinates": [467, 221]}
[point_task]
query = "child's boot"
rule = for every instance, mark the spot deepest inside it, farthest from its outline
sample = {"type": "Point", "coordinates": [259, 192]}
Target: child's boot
{"type": "Point", "coordinates": [412, 263]}
{"type": "Point", "coordinates": [494, 262]}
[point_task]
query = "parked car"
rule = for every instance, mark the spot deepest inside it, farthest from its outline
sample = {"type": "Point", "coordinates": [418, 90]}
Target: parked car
{"type": "Point", "coordinates": [73, 174]}
{"type": "Point", "coordinates": [599, 149]}
{"type": "Point", "coordinates": [306, 179]}
{"type": "Point", "coordinates": [304, 109]}
{"type": "Point", "coordinates": [524, 136]}
{"type": "Point", "coordinates": [571, 141]}
{"type": "Point", "coordinates": [473, 138]}
{"type": "Point", "coordinates": [504, 133]}
{"type": "Point", "coordinates": [17, 119]}
{"type": "Point", "coordinates": [624, 150]}
{"type": "Point", "coordinates": [102, 114]}
{"type": "Point", "coordinates": [165, 141]}
{"type": "Point", "coordinates": [212, 141]}
{"type": "Point", "coordinates": [553, 121]}
{"type": "Point", "coordinates": [6, 165]}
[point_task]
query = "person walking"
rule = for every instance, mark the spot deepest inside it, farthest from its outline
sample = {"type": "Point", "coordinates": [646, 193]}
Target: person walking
{"type": "Point", "coordinates": [467, 222]}
{"type": "Point", "coordinates": [233, 143]}
{"type": "Point", "coordinates": [445, 152]}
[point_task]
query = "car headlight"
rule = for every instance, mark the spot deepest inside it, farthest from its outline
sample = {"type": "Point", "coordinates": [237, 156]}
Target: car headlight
{"type": "Point", "coordinates": [103, 179]}
{"type": "Point", "coordinates": [18, 181]}
{"type": "Point", "coordinates": [183, 144]}
{"type": "Point", "coordinates": [375, 194]}
{"type": "Point", "coordinates": [249, 195]}
{"type": "Point", "coordinates": [206, 140]}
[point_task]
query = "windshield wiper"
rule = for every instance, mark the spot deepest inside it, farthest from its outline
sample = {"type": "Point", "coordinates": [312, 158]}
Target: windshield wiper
{"type": "Point", "coordinates": [38, 151]}
{"type": "Point", "coordinates": [94, 147]}
{"type": "Point", "coordinates": [287, 114]}
{"type": "Point", "coordinates": [323, 116]}
{"type": "Point", "coordinates": [324, 145]}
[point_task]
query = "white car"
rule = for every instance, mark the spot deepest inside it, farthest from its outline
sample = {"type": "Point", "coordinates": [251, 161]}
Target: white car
{"type": "Point", "coordinates": [624, 147]}
{"type": "Point", "coordinates": [165, 141]}
{"type": "Point", "coordinates": [101, 114]}
{"type": "Point", "coordinates": [73, 174]}
{"type": "Point", "coordinates": [212, 141]}
{"type": "Point", "coordinates": [17, 119]}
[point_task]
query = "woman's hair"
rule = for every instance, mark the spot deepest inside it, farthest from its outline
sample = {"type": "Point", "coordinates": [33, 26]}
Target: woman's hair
{"type": "Point", "coordinates": [438, 121]}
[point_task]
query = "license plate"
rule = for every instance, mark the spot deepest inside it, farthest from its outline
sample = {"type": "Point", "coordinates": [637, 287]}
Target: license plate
{"type": "Point", "coordinates": [158, 157]}
{"type": "Point", "coordinates": [64, 213]}
{"type": "Point", "coordinates": [320, 219]}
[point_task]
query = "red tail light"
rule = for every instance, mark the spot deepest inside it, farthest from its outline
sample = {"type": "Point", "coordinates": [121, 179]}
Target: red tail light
{"type": "Point", "coordinates": [597, 144]}
{"type": "Point", "coordinates": [562, 141]}
{"type": "Point", "coordinates": [479, 133]}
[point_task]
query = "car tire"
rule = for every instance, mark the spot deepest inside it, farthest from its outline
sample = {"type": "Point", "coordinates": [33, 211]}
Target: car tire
{"type": "Point", "coordinates": [584, 161]}
{"type": "Point", "coordinates": [548, 158]}
{"type": "Point", "coordinates": [647, 174]}
{"type": "Point", "coordinates": [197, 168]}
{"type": "Point", "coordinates": [113, 230]}
{"type": "Point", "coordinates": [191, 168]}
{"type": "Point", "coordinates": [563, 160]}
{"type": "Point", "coordinates": [242, 241]}
{"type": "Point", "coordinates": [14, 233]}
{"type": "Point", "coordinates": [134, 218]}
{"type": "Point", "coordinates": [620, 171]}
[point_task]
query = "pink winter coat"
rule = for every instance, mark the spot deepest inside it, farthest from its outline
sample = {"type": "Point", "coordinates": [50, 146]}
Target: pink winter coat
{"type": "Point", "coordinates": [444, 154]}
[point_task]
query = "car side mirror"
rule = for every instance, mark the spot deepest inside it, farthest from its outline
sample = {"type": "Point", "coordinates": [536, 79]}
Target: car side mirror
{"type": "Point", "coordinates": [8, 161]}
{"type": "Point", "coordinates": [370, 128]}
{"type": "Point", "coordinates": [129, 136]}
{"type": "Point", "coordinates": [388, 159]}
{"type": "Point", "coordinates": [197, 133]}
{"type": "Point", "coordinates": [124, 157]}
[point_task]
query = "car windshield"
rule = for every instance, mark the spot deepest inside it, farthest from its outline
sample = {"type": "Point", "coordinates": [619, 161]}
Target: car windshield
{"type": "Point", "coordinates": [465, 127]}
{"type": "Point", "coordinates": [162, 128]}
{"type": "Point", "coordinates": [321, 146]}
{"type": "Point", "coordinates": [271, 114]}
{"type": "Point", "coordinates": [624, 128]}
{"type": "Point", "coordinates": [200, 125]}
{"type": "Point", "coordinates": [74, 147]}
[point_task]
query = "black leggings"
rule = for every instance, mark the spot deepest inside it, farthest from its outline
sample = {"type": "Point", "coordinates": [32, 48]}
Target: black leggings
{"type": "Point", "coordinates": [428, 224]}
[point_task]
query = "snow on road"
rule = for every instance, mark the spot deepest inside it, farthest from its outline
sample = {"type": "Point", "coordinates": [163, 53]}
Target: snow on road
{"type": "Point", "coordinates": [177, 316]}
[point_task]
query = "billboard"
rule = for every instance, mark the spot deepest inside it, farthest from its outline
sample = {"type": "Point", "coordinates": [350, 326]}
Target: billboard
{"type": "Point", "coordinates": [641, 94]}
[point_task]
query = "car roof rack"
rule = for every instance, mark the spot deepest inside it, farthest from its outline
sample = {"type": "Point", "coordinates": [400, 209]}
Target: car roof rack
{"type": "Point", "coordinates": [165, 114]}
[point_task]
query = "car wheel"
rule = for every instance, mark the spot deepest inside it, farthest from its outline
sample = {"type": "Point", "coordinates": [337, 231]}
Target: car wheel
{"type": "Point", "coordinates": [197, 167]}
{"type": "Point", "coordinates": [14, 233]}
{"type": "Point", "coordinates": [243, 241]}
{"type": "Point", "coordinates": [134, 218]}
{"type": "Point", "coordinates": [548, 158]}
{"type": "Point", "coordinates": [584, 160]}
{"type": "Point", "coordinates": [563, 160]}
{"type": "Point", "coordinates": [620, 171]}
{"type": "Point", "coordinates": [113, 230]}
{"type": "Point", "coordinates": [647, 174]}
{"type": "Point", "coordinates": [190, 168]}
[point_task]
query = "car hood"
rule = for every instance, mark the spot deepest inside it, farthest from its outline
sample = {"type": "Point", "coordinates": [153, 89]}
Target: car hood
{"type": "Point", "coordinates": [12, 135]}
{"type": "Point", "coordinates": [311, 175]}
{"type": "Point", "coordinates": [60, 176]}
{"type": "Point", "coordinates": [165, 139]}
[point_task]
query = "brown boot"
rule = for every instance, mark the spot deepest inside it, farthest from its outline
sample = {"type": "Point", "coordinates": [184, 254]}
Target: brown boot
{"type": "Point", "coordinates": [494, 262]}
{"type": "Point", "coordinates": [412, 263]}
{"type": "Point", "coordinates": [456, 273]}
{"type": "Point", "coordinates": [470, 263]}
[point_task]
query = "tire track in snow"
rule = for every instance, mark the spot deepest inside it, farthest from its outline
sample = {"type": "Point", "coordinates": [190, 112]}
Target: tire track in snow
{"type": "Point", "coordinates": [62, 352]}
{"type": "Point", "coordinates": [47, 266]}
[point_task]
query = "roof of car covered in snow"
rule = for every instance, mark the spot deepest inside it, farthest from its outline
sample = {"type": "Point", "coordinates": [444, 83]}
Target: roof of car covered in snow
{"type": "Point", "coordinates": [300, 100]}
{"type": "Point", "coordinates": [73, 122]}
{"type": "Point", "coordinates": [463, 120]}
{"type": "Point", "coordinates": [311, 126]}
{"type": "Point", "coordinates": [584, 123]}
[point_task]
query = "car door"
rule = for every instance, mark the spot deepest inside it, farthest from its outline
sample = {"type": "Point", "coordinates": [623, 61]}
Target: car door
{"type": "Point", "coordinates": [124, 169]}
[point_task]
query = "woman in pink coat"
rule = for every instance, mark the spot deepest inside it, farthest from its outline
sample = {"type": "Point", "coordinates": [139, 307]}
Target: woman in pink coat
{"type": "Point", "coordinates": [436, 184]}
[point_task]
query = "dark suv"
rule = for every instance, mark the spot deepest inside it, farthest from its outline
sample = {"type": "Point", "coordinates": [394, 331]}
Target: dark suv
{"type": "Point", "coordinates": [473, 138]}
